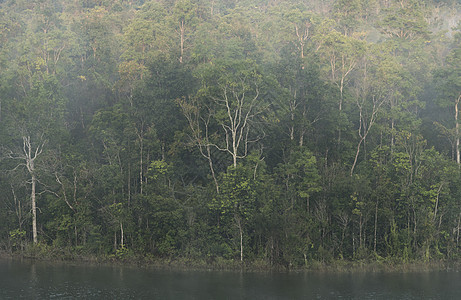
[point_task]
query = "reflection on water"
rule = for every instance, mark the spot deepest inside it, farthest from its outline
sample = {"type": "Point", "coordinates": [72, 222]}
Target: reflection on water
{"type": "Point", "coordinates": [40, 280]}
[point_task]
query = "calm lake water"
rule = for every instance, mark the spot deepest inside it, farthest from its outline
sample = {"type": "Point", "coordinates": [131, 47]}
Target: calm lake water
{"type": "Point", "coordinates": [40, 280]}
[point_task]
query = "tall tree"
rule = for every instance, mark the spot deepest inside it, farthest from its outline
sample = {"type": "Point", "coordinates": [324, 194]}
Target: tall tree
{"type": "Point", "coordinates": [449, 85]}
{"type": "Point", "coordinates": [184, 16]}
{"type": "Point", "coordinates": [34, 120]}
{"type": "Point", "coordinates": [231, 95]}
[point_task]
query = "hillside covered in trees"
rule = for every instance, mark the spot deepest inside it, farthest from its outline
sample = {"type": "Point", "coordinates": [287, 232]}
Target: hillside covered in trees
{"type": "Point", "coordinates": [281, 131]}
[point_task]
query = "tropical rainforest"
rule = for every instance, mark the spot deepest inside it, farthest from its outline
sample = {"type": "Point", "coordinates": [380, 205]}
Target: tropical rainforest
{"type": "Point", "coordinates": [274, 131]}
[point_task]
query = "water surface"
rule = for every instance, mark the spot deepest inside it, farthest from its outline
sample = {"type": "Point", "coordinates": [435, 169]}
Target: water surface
{"type": "Point", "coordinates": [41, 280]}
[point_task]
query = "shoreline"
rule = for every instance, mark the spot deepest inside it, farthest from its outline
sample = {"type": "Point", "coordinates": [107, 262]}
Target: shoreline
{"type": "Point", "coordinates": [183, 264]}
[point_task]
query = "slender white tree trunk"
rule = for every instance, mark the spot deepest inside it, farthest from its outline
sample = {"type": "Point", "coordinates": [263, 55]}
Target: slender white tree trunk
{"type": "Point", "coordinates": [141, 165]}
{"type": "Point", "coordinates": [241, 240]}
{"type": "Point", "coordinates": [458, 158]}
{"type": "Point", "coordinates": [29, 156]}
{"type": "Point", "coordinates": [122, 244]}
{"type": "Point", "coordinates": [210, 163]}
{"type": "Point", "coordinates": [376, 225]}
{"type": "Point", "coordinates": [182, 29]}
{"type": "Point", "coordinates": [34, 209]}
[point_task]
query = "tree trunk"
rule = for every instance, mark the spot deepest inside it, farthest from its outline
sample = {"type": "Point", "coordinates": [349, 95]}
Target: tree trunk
{"type": "Point", "coordinates": [392, 137]}
{"type": "Point", "coordinates": [122, 244]}
{"type": "Point", "coordinates": [115, 240]}
{"type": "Point", "coordinates": [76, 235]}
{"type": "Point", "coordinates": [437, 202]}
{"type": "Point", "coordinates": [414, 229]}
{"type": "Point", "coordinates": [234, 148]}
{"type": "Point", "coordinates": [457, 229]}
{"type": "Point", "coordinates": [129, 185]}
{"type": "Point", "coordinates": [182, 29]}
{"type": "Point", "coordinates": [458, 158]}
{"type": "Point", "coordinates": [34, 209]}
{"type": "Point", "coordinates": [293, 106]}
{"type": "Point", "coordinates": [238, 220]}
{"type": "Point", "coordinates": [141, 165]}
{"type": "Point", "coordinates": [360, 231]}
{"type": "Point", "coordinates": [357, 155]}
{"type": "Point", "coordinates": [29, 157]}
{"type": "Point", "coordinates": [376, 224]}
{"type": "Point", "coordinates": [210, 163]}
{"type": "Point", "coordinates": [241, 241]}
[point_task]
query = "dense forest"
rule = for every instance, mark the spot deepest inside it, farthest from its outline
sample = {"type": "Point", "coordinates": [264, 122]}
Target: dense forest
{"type": "Point", "coordinates": [278, 131]}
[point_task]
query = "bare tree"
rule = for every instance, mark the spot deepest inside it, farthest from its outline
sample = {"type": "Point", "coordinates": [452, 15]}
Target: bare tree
{"type": "Point", "coordinates": [239, 110]}
{"type": "Point", "coordinates": [30, 152]}
{"type": "Point", "coordinates": [199, 122]}
{"type": "Point", "coordinates": [222, 114]}
{"type": "Point", "coordinates": [366, 121]}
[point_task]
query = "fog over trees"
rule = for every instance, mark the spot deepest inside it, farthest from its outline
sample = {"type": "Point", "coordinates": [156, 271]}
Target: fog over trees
{"type": "Point", "coordinates": [283, 132]}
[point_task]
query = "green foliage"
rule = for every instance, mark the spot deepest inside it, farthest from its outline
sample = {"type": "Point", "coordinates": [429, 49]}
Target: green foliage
{"type": "Point", "coordinates": [222, 130]}
{"type": "Point", "coordinates": [17, 238]}
{"type": "Point", "coordinates": [238, 193]}
{"type": "Point", "coordinates": [404, 20]}
{"type": "Point", "coordinates": [157, 169]}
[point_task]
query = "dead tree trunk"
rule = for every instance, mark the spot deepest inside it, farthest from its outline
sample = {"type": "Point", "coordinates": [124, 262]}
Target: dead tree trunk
{"type": "Point", "coordinates": [30, 154]}
{"type": "Point", "coordinates": [458, 157]}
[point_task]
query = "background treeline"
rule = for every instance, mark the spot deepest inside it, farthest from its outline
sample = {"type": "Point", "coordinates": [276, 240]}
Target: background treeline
{"type": "Point", "coordinates": [264, 130]}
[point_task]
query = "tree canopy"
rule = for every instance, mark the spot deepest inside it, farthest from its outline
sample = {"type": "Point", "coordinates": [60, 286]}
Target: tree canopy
{"type": "Point", "coordinates": [277, 131]}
